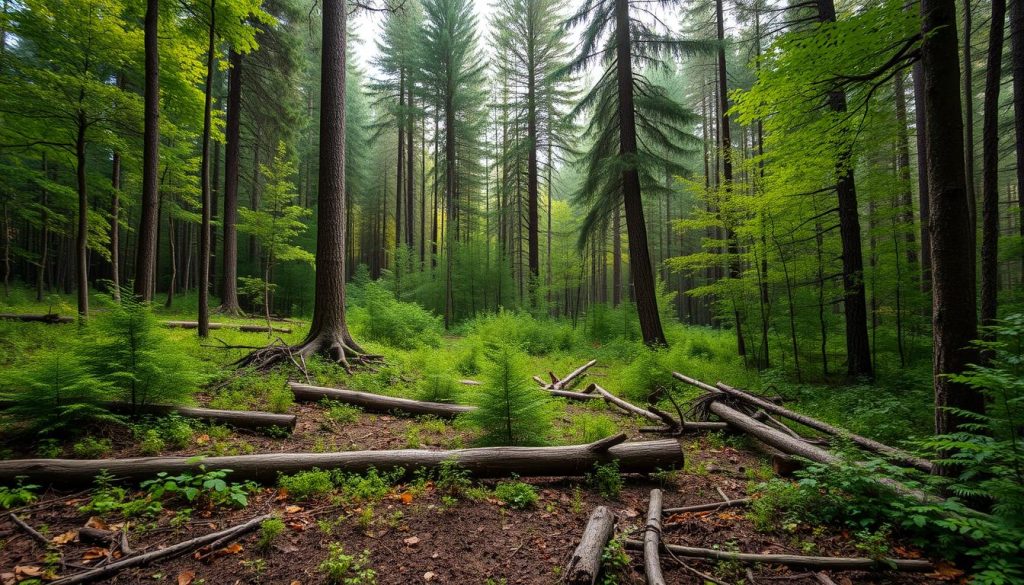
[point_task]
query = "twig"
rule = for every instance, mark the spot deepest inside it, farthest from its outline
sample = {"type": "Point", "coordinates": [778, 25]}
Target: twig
{"type": "Point", "coordinates": [31, 531]}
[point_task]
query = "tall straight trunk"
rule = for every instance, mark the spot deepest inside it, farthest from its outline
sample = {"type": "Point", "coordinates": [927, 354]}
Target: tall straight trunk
{"type": "Point", "coordinates": [923, 198]}
{"type": "Point", "coordinates": [726, 137]}
{"type": "Point", "coordinates": [550, 163]}
{"type": "Point", "coordinates": [44, 236]}
{"type": "Point", "coordinates": [172, 252]}
{"type": "Point", "coordinates": [82, 245]}
{"type": "Point", "coordinates": [204, 227]}
{"type": "Point", "coordinates": [423, 190]}
{"type": "Point", "coordinates": [990, 169]}
{"type": "Point", "coordinates": [145, 255]}
{"type": "Point", "coordinates": [636, 229]}
{"type": "Point", "coordinates": [115, 226]}
{"type": "Point", "coordinates": [449, 166]}
{"type": "Point", "coordinates": [617, 256]}
{"type": "Point", "coordinates": [1017, 65]}
{"type": "Point", "coordinates": [410, 175]}
{"type": "Point", "coordinates": [214, 201]}
{"type": "Point", "coordinates": [400, 163]}
{"type": "Point", "coordinates": [232, 137]}
{"type": "Point", "coordinates": [433, 217]}
{"type": "Point", "coordinates": [532, 178]}
{"type": "Point", "coordinates": [954, 316]}
{"type": "Point", "coordinates": [906, 200]}
{"type": "Point", "coordinates": [858, 347]}
{"type": "Point", "coordinates": [968, 106]}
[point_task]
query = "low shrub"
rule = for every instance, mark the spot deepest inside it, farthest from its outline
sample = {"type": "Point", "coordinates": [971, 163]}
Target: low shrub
{"type": "Point", "coordinates": [516, 494]}
{"type": "Point", "coordinates": [307, 484]}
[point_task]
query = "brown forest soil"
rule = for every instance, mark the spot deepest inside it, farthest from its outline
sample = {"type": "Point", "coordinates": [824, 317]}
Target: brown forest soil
{"type": "Point", "coordinates": [431, 540]}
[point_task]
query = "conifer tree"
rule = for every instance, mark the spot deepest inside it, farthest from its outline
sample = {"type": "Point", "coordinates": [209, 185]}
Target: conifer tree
{"type": "Point", "coordinates": [510, 410]}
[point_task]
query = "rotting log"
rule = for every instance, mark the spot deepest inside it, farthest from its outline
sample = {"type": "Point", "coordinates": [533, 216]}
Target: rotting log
{"type": "Point", "coordinates": [567, 381]}
{"type": "Point", "coordinates": [582, 396]}
{"type": "Point", "coordinates": [214, 538]}
{"type": "Point", "coordinates": [239, 326]}
{"type": "Point", "coordinates": [572, 460]}
{"type": "Point", "coordinates": [896, 455]}
{"type": "Point", "coordinates": [713, 506]}
{"type": "Point", "coordinates": [242, 419]}
{"type": "Point", "coordinates": [377, 402]}
{"type": "Point", "coordinates": [585, 563]}
{"type": "Point", "coordinates": [652, 540]}
{"type": "Point", "coordinates": [831, 563]}
{"type": "Point", "coordinates": [49, 318]}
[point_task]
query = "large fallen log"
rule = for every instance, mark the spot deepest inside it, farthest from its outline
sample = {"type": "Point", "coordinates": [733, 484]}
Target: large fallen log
{"type": "Point", "coordinates": [585, 563]}
{"type": "Point", "coordinates": [242, 419]}
{"type": "Point", "coordinates": [239, 326]}
{"type": "Point", "coordinates": [217, 539]}
{"type": "Point", "coordinates": [831, 563]}
{"type": "Point", "coordinates": [377, 402]}
{"type": "Point", "coordinates": [573, 460]}
{"type": "Point", "coordinates": [51, 318]}
{"type": "Point", "coordinates": [896, 455]}
{"type": "Point", "coordinates": [652, 538]}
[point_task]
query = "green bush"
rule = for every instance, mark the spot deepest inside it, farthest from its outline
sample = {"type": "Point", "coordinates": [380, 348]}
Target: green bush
{"type": "Point", "coordinates": [307, 484]}
{"type": "Point", "coordinates": [21, 494]}
{"type": "Point", "coordinates": [606, 479]}
{"type": "Point", "coordinates": [371, 486]}
{"type": "Point", "coordinates": [339, 412]}
{"type": "Point", "coordinates": [510, 409]}
{"type": "Point", "coordinates": [270, 529]}
{"type": "Point", "coordinates": [398, 324]}
{"type": "Point", "coordinates": [437, 386]}
{"type": "Point", "coordinates": [342, 569]}
{"type": "Point", "coordinates": [587, 428]}
{"type": "Point", "coordinates": [522, 330]}
{"type": "Point", "coordinates": [209, 486]}
{"type": "Point", "coordinates": [516, 494]}
{"type": "Point", "coordinates": [91, 448]}
{"type": "Point", "coordinates": [647, 377]}
{"type": "Point", "coordinates": [280, 399]}
{"type": "Point", "coordinates": [150, 443]}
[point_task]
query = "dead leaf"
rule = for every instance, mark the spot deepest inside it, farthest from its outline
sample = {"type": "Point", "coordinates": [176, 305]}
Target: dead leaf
{"type": "Point", "coordinates": [412, 541]}
{"type": "Point", "coordinates": [28, 571]}
{"type": "Point", "coordinates": [232, 549]}
{"type": "Point", "coordinates": [406, 497]}
{"type": "Point", "coordinates": [945, 572]}
{"type": "Point", "coordinates": [295, 583]}
{"type": "Point", "coordinates": [292, 509]}
{"type": "Point", "coordinates": [97, 523]}
{"type": "Point", "coordinates": [91, 554]}
{"type": "Point", "coordinates": [297, 526]}
{"type": "Point", "coordinates": [65, 538]}
{"type": "Point", "coordinates": [8, 579]}
{"type": "Point", "coordinates": [203, 439]}
{"type": "Point", "coordinates": [186, 577]}
{"type": "Point", "coordinates": [282, 494]}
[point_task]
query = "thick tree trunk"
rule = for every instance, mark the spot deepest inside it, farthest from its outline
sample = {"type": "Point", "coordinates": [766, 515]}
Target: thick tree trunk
{"type": "Point", "coordinates": [145, 256]}
{"type": "Point", "coordinates": [242, 419]}
{"type": "Point", "coordinates": [377, 402]}
{"type": "Point", "coordinates": [575, 460]}
{"type": "Point", "coordinates": [232, 135]}
{"type": "Point", "coordinates": [636, 229]}
{"type": "Point", "coordinates": [990, 169]}
{"type": "Point", "coordinates": [954, 316]}
{"type": "Point", "coordinates": [1017, 65]}
{"type": "Point", "coordinates": [204, 227]}
{"type": "Point", "coordinates": [532, 173]}
{"type": "Point", "coordinates": [47, 318]}
{"type": "Point", "coordinates": [585, 563]}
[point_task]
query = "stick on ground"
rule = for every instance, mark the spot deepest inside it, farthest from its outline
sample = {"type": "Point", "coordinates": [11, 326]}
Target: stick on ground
{"type": "Point", "coordinates": [652, 538]}
{"type": "Point", "coordinates": [585, 563]}
{"type": "Point", "coordinates": [830, 563]}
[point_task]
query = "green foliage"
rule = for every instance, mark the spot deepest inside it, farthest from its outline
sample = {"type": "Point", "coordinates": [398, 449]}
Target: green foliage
{"type": "Point", "coordinates": [452, 479]}
{"type": "Point", "coordinates": [150, 443]}
{"type": "Point", "coordinates": [307, 484]}
{"type": "Point", "coordinates": [371, 486]}
{"type": "Point", "coordinates": [91, 448]}
{"type": "Point", "coordinates": [614, 562]}
{"type": "Point", "coordinates": [279, 400]}
{"type": "Point", "coordinates": [647, 377]}
{"type": "Point", "coordinates": [606, 479]}
{"type": "Point", "coordinates": [342, 569]}
{"type": "Point", "coordinates": [270, 529]}
{"type": "Point", "coordinates": [587, 428]}
{"type": "Point", "coordinates": [136, 357]}
{"type": "Point", "coordinates": [339, 412]}
{"type": "Point", "coordinates": [522, 330]}
{"type": "Point", "coordinates": [205, 486]}
{"type": "Point", "coordinates": [437, 385]}
{"type": "Point", "coordinates": [108, 498]}
{"type": "Point", "coordinates": [20, 494]}
{"type": "Point", "coordinates": [380, 317]}
{"type": "Point", "coordinates": [516, 494]}
{"type": "Point", "coordinates": [510, 410]}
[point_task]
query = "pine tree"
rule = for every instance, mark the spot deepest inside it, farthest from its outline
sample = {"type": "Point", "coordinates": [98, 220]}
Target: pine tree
{"type": "Point", "coordinates": [510, 410]}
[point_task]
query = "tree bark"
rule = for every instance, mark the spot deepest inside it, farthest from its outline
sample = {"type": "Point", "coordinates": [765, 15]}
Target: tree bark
{"type": "Point", "coordinates": [242, 419]}
{"type": "Point", "coordinates": [1017, 65]}
{"type": "Point", "coordinates": [636, 229]}
{"type": "Point", "coordinates": [82, 244]}
{"type": "Point", "coordinates": [575, 460]}
{"type": "Point", "coordinates": [990, 170]}
{"type": "Point", "coordinates": [833, 563]}
{"type": "Point", "coordinates": [922, 175]}
{"type": "Point", "coordinates": [229, 273]}
{"type": "Point", "coordinates": [585, 563]}
{"type": "Point", "coordinates": [954, 316]}
{"type": "Point", "coordinates": [652, 538]}
{"type": "Point", "coordinates": [145, 257]}
{"type": "Point", "coordinates": [204, 227]}
{"type": "Point", "coordinates": [238, 326]}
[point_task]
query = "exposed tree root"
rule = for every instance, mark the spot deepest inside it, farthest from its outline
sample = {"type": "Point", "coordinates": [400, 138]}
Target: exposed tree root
{"type": "Point", "coordinates": [338, 347]}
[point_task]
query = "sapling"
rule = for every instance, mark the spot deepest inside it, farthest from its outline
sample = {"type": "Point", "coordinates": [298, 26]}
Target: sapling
{"type": "Point", "coordinates": [510, 410]}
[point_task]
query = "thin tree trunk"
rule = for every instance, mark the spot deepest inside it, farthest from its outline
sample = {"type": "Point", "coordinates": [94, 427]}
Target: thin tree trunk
{"type": "Point", "coordinates": [1017, 64]}
{"type": "Point", "coordinates": [968, 106]}
{"type": "Point", "coordinates": [82, 267]}
{"type": "Point", "coordinates": [922, 173]}
{"type": "Point", "coordinates": [990, 169]}
{"type": "Point", "coordinates": [204, 234]}
{"type": "Point", "coordinates": [145, 258]}
{"type": "Point", "coordinates": [232, 136]}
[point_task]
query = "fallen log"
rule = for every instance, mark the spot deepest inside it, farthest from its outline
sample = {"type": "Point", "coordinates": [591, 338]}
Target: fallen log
{"type": "Point", "coordinates": [377, 402]}
{"type": "Point", "coordinates": [242, 419]}
{"type": "Point", "coordinates": [652, 540]}
{"type": "Point", "coordinates": [896, 455]}
{"type": "Point", "coordinates": [585, 563]}
{"type": "Point", "coordinates": [50, 318]}
{"type": "Point", "coordinates": [708, 507]}
{"type": "Point", "coordinates": [470, 383]}
{"type": "Point", "coordinates": [633, 409]}
{"type": "Point", "coordinates": [831, 563]}
{"type": "Point", "coordinates": [239, 326]}
{"type": "Point", "coordinates": [572, 376]}
{"type": "Point", "coordinates": [572, 460]}
{"type": "Point", "coordinates": [218, 538]}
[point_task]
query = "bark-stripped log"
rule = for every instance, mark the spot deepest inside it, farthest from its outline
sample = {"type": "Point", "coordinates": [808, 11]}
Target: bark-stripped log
{"type": "Point", "coordinates": [238, 326]}
{"type": "Point", "coordinates": [567, 381]}
{"type": "Point", "coordinates": [893, 453]}
{"type": "Point", "coordinates": [832, 563]}
{"type": "Point", "coordinates": [708, 507]}
{"type": "Point", "coordinates": [50, 318]}
{"type": "Point", "coordinates": [377, 402]}
{"type": "Point", "coordinates": [242, 419]}
{"type": "Point", "coordinates": [585, 563]}
{"type": "Point", "coordinates": [633, 409]}
{"type": "Point", "coordinates": [573, 460]}
{"type": "Point", "coordinates": [220, 539]}
{"type": "Point", "coordinates": [652, 540]}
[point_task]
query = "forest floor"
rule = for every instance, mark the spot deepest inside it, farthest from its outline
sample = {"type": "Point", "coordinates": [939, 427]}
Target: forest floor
{"type": "Point", "coordinates": [414, 532]}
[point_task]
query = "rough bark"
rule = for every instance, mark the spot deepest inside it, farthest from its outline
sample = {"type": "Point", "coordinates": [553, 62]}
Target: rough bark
{"type": "Point", "coordinates": [922, 176]}
{"type": "Point", "coordinates": [636, 229]}
{"type": "Point", "coordinates": [204, 227]}
{"type": "Point", "coordinates": [954, 316]}
{"type": "Point", "coordinates": [575, 460]}
{"type": "Point", "coordinates": [377, 402]}
{"type": "Point", "coordinates": [145, 248]}
{"type": "Point", "coordinates": [585, 563]}
{"type": "Point", "coordinates": [652, 540]}
{"type": "Point", "coordinates": [832, 563]}
{"type": "Point", "coordinates": [1017, 67]}
{"type": "Point", "coordinates": [242, 419]}
{"type": "Point", "coordinates": [990, 169]}
{"type": "Point", "coordinates": [82, 241]}
{"type": "Point", "coordinates": [232, 135]}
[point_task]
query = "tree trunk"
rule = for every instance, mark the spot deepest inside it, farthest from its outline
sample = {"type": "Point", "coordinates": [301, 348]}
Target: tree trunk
{"type": "Point", "coordinates": [858, 348]}
{"type": "Point", "coordinates": [585, 563]}
{"type": "Point", "coordinates": [82, 245]}
{"type": "Point", "coordinates": [574, 460]}
{"type": "Point", "coordinates": [204, 234]}
{"type": "Point", "coordinates": [968, 111]}
{"type": "Point", "coordinates": [922, 175]}
{"type": "Point", "coordinates": [990, 170]}
{"type": "Point", "coordinates": [532, 174]}
{"type": "Point", "coordinates": [410, 176]}
{"type": "Point", "coordinates": [377, 402]}
{"type": "Point", "coordinates": [652, 535]}
{"type": "Point", "coordinates": [636, 229]}
{"type": "Point", "coordinates": [1017, 65]}
{"type": "Point", "coordinates": [906, 201]}
{"type": "Point", "coordinates": [145, 256]}
{"type": "Point", "coordinates": [232, 135]}
{"type": "Point", "coordinates": [954, 316]}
